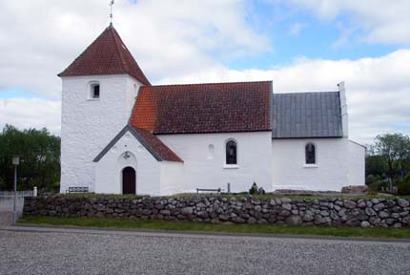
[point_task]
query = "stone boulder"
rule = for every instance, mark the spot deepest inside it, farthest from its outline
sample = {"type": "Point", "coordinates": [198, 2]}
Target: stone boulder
{"type": "Point", "coordinates": [355, 189]}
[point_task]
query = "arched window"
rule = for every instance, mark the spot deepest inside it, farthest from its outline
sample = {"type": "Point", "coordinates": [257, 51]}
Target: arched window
{"type": "Point", "coordinates": [231, 152]}
{"type": "Point", "coordinates": [310, 153]}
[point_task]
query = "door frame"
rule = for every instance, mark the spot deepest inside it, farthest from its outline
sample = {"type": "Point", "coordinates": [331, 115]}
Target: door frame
{"type": "Point", "coordinates": [122, 179]}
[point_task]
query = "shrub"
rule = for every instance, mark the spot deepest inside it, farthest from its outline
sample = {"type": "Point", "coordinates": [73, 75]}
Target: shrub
{"type": "Point", "coordinates": [404, 186]}
{"type": "Point", "coordinates": [254, 189]}
{"type": "Point", "coordinates": [372, 179]}
{"type": "Point", "coordinates": [261, 190]}
{"type": "Point", "coordinates": [374, 187]}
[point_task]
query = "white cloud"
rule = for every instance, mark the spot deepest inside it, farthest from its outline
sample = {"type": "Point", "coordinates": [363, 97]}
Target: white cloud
{"type": "Point", "coordinates": [182, 41]}
{"type": "Point", "coordinates": [383, 21]}
{"type": "Point", "coordinates": [31, 113]}
{"type": "Point", "coordinates": [296, 28]}
{"type": "Point", "coordinates": [345, 36]}
{"type": "Point", "coordinates": [38, 39]}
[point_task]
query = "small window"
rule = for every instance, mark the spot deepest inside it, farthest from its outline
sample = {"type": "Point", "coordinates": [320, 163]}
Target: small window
{"type": "Point", "coordinates": [310, 153]}
{"type": "Point", "coordinates": [211, 149]}
{"type": "Point", "coordinates": [95, 91]}
{"type": "Point", "coordinates": [231, 152]}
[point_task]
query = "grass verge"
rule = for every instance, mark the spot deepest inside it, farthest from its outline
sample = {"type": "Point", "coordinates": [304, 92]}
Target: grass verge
{"type": "Point", "coordinates": [267, 196]}
{"type": "Point", "coordinates": [220, 228]}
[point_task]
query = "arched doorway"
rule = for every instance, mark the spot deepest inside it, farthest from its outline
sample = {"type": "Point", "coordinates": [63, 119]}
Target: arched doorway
{"type": "Point", "coordinates": [128, 180]}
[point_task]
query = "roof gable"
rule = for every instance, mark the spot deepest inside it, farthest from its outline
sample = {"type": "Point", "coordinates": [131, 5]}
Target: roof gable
{"type": "Point", "coordinates": [203, 108]}
{"type": "Point", "coordinates": [155, 146]}
{"type": "Point", "coordinates": [306, 115]}
{"type": "Point", "coordinates": [106, 55]}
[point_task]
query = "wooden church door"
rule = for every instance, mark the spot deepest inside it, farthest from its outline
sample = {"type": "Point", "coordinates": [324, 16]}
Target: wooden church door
{"type": "Point", "coordinates": [128, 180]}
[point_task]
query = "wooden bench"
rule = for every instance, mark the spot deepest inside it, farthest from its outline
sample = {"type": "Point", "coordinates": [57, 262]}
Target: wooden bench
{"type": "Point", "coordinates": [77, 189]}
{"type": "Point", "coordinates": [208, 190]}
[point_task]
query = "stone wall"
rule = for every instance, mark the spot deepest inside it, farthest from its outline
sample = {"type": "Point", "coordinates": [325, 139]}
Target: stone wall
{"type": "Point", "coordinates": [377, 212]}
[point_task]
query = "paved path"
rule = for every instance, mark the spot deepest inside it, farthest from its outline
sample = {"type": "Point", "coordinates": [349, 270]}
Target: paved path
{"type": "Point", "coordinates": [65, 251]}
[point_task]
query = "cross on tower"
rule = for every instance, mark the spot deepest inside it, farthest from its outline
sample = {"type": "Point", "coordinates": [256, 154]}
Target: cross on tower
{"type": "Point", "coordinates": [111, 4]}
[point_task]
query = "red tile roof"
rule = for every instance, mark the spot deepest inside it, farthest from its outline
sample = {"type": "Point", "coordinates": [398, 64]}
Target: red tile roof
{"type": "Point", "coordinates": [156, 146]}
{"type": "Point", "coordinates": [203, 108]}
{"type": "Point", "coordinates": [106, 55]}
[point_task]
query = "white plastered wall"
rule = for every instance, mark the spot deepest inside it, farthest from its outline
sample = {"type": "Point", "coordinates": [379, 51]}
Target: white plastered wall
{"type": "Point", "coordinates": [357, 154]}
{"type": "Point", "coordinates": [87, 125]}
{"type": "Point", "coordinates": [330, 173]}
{"type": "Point", "coordinates": [204, 166]}
{"type": "Point", "coordinates": [172, 178]}
{"type": "Point", "coordinates": [109, 168]}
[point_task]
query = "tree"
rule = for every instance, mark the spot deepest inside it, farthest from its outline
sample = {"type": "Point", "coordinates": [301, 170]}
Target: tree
{"type": "Point", "coordinates": [376, 166]}
{"type": "Point", "coordinates": [394, 149]}
{"type": "Point", "coordinates": [39, 152]}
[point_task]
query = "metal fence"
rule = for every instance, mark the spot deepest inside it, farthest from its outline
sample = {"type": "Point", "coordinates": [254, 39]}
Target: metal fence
{"type": "Point", "coordinates": [6, 200]}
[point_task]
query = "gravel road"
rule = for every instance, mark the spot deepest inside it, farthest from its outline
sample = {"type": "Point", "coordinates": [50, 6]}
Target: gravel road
{"type": "Point", "coordinates": [72, 251]}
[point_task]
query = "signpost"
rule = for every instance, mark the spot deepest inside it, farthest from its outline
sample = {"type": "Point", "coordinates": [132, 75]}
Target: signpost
{"type": "Point", "coordinates": [16, 162]}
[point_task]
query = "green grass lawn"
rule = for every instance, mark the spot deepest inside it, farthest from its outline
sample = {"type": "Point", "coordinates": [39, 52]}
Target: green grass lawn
{"type": "Point", "coordinates": [221, 228]}
{"type": "Point", "coordinates": [238, 196]}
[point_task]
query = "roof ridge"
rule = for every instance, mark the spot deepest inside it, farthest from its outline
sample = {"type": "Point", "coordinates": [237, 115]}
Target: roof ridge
{"type": "Point", "coordinates": [208, 83]}
{"type": "Point", "coordinates": [117, 40]}
{"type": "Point", "coordinates": [125, 65]}
{"type": "Point", "coordinates": [311, 92]}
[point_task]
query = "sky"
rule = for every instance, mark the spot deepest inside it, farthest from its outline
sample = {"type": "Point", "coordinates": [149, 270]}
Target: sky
{"type": "Point", "coordinates": [301, 45]}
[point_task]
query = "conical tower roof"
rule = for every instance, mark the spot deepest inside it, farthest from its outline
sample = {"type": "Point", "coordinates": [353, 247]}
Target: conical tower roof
{"type": "Point", "coordinates": [106, 55]}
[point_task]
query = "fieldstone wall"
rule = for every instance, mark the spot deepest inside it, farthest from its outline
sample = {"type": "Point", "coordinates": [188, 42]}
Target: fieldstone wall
{"type": "Point", "coordinates": [377, 212]}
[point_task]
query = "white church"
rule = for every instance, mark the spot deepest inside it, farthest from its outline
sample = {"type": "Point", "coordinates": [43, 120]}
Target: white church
{"type": "Point", "coordinates": [122, 135]}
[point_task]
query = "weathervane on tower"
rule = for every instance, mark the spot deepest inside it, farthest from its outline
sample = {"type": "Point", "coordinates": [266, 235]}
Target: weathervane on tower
{"type": "Point", "coordinates": [111, 4]}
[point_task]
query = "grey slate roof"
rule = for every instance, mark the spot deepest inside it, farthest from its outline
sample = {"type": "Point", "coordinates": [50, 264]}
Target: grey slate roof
{"type": "Point", "coordinates": [306, 115]}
